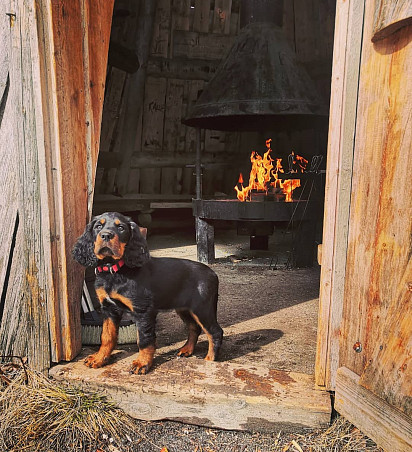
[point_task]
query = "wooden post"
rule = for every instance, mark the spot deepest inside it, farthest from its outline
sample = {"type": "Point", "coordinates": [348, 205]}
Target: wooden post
{"type": "Point", "coordinates": [205, 240]}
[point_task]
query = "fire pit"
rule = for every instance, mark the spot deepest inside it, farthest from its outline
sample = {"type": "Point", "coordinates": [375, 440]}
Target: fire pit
{"type": "Point", "coordinates": [260, 86]}
{"type": "Point", "coordinates": [255, 219]}
{"type": "Point", "coordinates": [268, 198]}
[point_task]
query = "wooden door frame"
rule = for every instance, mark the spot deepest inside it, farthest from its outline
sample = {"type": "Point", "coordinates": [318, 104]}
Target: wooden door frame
{"type": "Point", "coordinates": [342, 124]}
{"type": "Point", "coordinates": [58, 69]}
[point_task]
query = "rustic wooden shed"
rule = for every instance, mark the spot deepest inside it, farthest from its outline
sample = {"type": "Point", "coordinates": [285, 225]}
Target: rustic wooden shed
{"type": "Point", "coordinates": [64, 156]}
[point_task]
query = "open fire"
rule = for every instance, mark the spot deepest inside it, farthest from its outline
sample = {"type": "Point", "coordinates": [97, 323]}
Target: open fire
{"type": "Point", "coordinates": [266, 175]}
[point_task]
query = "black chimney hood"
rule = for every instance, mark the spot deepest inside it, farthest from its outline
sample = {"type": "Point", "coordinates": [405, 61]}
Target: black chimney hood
{"type": "Point", "coordinates": [260, 85]}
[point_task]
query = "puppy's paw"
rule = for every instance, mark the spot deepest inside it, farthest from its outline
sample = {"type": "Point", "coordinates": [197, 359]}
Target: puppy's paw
{"type": "Point", "coordinates": [185, 352]}
{"type": "Point", "coordinates": [96, 360]}
{"type": "Point", "coordinates": [139, 368]}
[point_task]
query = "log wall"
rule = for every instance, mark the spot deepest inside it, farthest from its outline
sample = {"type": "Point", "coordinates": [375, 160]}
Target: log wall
{"type": "Point", "coordinates": [188, 42]}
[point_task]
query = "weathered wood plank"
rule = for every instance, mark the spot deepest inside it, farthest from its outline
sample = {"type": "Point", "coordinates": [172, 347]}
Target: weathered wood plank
{"type": "Point", "coordinates": [169, 183]}
{"type": "Point", "coordinates": [173, 115]}
{"type": "Point", "coordinates": [180, 14]}
{"type": "Point", "coordinates": [390, 16]}
{"type": "Point", "coordinates": [153, 114]}
{"type": "Point", "coordinates": [388, 427]}
{"type": "Point", "coordinates": [192, 44]}
{"type": "Point", "coordinates": [112, 104]}
{"type": "Point", "coordinates": [34, 296]}
{"type": "Point", "coordinates": [72, 137]}
{"type": "Point", "coordinates": [201, 17]}
{"type": "Point", "coordinates": [161, 29]}
{"type": "Point", "coordinates": [379, 246]}
{"type": "Point", "coordinates": [305, 37]}
{"type": "Point", "coordinates": [135, 201]}
{"type": "Point", "coordinates": [228, 395]}
{"type": "Point", "coordinates": [135, 93]}
{"type": "Point", "coordinates": [150, 180]}
{"type": "Point", "coordinates": [194, 87]}
{"type": "Point", "coordinates": [182, 68]}
{"type": "Point", "coordinates": [97, 20]}
{"type": "Point", "coordinates": [14, 325]}
{"type": "Point", "coordinates": [167, 159]}
{"type": "Point", "coordinates": [8, 155]}
{"type": "Point", "coordinates": [343, 107]}
{"type": "Point", "coordinates": [221, 16]}
{"type": "Point", "coordinates": [389, 371]}
{"type": "Point", "coordinates": [4, 49]}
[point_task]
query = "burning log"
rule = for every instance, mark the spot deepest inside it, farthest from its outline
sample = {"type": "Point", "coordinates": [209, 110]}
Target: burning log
{"type": "Point", "coordinates": [266, 178]}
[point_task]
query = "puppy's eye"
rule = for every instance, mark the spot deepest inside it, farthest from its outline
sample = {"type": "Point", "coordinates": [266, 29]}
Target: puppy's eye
{"type": "Point", "coordinates": [98, 226]}
{"type": "Point", "coordinates": [120, 228]}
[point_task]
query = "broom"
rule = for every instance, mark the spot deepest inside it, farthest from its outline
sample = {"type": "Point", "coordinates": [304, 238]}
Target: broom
{"type": "Point", "coordinates": [92, 324]}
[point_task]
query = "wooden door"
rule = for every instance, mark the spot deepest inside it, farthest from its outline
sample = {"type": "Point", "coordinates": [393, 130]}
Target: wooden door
{"type": "Point", "coordinates": [57, 69]}
{"type": "Point", "coordinates": [368, 351]}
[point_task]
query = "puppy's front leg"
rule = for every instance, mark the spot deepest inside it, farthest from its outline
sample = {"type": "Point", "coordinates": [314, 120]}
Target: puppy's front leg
{"type": "Point", "coordinates": [146, 324]}
{"type": "Point", "coordinates": [109, 341]}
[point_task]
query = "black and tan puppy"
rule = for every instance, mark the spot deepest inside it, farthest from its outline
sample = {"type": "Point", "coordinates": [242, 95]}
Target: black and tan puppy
{"type": "Point", "coordinates": [129, 279]}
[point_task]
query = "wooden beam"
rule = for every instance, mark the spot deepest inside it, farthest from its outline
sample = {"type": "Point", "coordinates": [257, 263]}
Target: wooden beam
{"type": "Point", "coordinates": [343, 107]}
{"type": "Point", "coordinates": [182, 68]}
{"type": "Point", "coordinates": [390, 16]}
{"type": "Point", "coordinates": [227, 395]}
{"type": "Point", "coordinates": [191, 44]}
{"type": "Point", "coordinates": [71, 99]}
{"type": "Point", "coordinates": [389, 428]}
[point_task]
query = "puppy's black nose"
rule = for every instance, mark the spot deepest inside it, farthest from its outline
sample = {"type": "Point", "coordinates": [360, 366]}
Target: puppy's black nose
{"type": "Point", "coordinates": [106, 235]}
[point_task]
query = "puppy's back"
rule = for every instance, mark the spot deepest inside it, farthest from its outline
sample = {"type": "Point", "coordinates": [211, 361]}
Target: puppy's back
{"type": "Point", "coordinates": [178, 283]}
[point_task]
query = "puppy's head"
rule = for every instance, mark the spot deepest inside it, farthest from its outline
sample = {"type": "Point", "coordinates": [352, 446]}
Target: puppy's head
{"type": "Point", "coordinates": [110, 237]}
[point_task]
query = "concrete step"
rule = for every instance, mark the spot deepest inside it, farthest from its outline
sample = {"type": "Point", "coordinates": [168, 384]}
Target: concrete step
{"type": "Point", "coordinates": [214, 394]}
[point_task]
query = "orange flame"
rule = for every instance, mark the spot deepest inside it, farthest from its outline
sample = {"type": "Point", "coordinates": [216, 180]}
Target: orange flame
{"type": "Point", "coordinates": [263, 175]}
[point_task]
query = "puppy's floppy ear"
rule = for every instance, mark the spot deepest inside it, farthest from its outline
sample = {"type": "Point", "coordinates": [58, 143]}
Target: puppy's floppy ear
{"type": "Point", "coordinates": [83, 250]}
{"type": "Point", "coordinates": [136, 253]}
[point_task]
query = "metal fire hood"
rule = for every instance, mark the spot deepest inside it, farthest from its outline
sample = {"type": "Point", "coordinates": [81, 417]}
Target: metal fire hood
{"type": "Point", "coordinates": [260, 85]}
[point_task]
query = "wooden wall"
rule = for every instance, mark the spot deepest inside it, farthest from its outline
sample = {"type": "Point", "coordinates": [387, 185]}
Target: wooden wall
{"type": "Point", "coordinates": [56, 65]}
{"type": "Point", "coordinates": [365, 320]}
{"type": "Point", "coordinates": [189, 40]}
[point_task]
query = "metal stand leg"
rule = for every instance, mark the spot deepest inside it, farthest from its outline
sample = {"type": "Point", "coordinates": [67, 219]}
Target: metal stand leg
{"type": "Point", "coordinates": [305, 244]}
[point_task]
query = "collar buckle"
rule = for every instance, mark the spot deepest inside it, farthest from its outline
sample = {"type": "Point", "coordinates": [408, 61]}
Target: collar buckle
{"type": "Point", "coordinates": [111, 268]}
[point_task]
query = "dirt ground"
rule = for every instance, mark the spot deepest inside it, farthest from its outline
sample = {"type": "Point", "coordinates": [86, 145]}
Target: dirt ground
{"type": "Point", "coordinates": [268, 312]}
{"type": "Point", "coordinates": [269, 315]}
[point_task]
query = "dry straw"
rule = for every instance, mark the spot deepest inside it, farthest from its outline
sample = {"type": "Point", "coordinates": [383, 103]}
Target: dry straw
{"type": "Point", "coordinates": [37, 414]}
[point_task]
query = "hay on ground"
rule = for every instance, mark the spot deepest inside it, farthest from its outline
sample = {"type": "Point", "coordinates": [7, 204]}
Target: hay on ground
{"type": "Point", "coordinates": [39, 414]}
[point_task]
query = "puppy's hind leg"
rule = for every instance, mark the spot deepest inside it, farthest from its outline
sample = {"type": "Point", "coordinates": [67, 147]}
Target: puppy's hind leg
{"type": "Point", "coordinates": [213, 331]}
{"type": "Point", "coordinates": [194, 331]}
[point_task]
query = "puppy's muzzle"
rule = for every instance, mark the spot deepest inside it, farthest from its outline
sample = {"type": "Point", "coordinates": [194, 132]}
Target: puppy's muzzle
{"type": "Point", "coordinates": [108, 245]}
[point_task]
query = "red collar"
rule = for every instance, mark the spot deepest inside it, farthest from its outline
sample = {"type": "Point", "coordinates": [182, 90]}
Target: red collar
{"type": "Point", "coordinates": [112, 268]}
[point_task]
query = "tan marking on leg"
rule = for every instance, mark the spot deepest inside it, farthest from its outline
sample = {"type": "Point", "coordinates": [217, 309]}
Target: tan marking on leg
{"type": "Point", "coordinates": [101, 294]}
{"type": "Point", "coordinates": [188, 349]}
{"type": "Point", "coordinates": [109, 341]}
{"type": "Point", "coordinates": [144, 360]}
{"type": "Point", "coordinates": [210, 354]}
{"type": "Point", "coordinates": [126, 301]}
